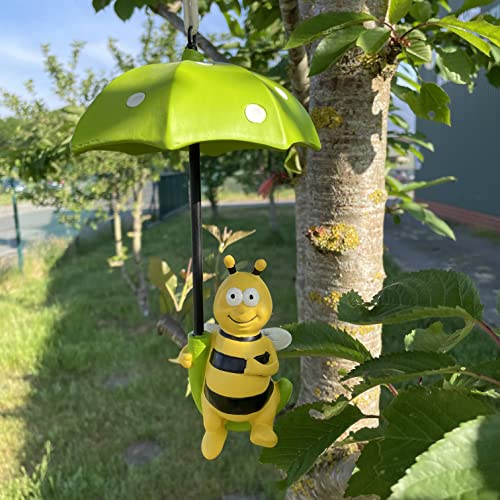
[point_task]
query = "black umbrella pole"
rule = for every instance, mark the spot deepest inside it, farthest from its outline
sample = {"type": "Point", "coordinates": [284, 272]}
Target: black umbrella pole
{"type": "Point", "coordinates": [195, 187]}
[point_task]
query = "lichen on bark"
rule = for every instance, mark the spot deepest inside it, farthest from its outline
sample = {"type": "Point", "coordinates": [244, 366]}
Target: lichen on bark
{"type": "Point", "coordinates": [336, 238]}
{"type": "Point", "coordinates": [326, 117]}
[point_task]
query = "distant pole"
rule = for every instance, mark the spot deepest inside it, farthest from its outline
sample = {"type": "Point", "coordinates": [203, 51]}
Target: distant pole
{"type": "Point", "coordinates": [19, 245]}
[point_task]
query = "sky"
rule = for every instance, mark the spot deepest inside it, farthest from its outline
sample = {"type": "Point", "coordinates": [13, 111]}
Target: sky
{"type": "Point", "coordinates": [25, 25]}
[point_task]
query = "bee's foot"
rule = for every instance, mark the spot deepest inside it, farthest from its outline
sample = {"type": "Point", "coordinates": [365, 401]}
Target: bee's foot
{"type": "Point", "coordinates": [212, 443]}
{"type": "Point", "coordinates": [263, 435]}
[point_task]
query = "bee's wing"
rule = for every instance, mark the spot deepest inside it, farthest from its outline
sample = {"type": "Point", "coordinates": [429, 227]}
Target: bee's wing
{"type": "Point", "coordinates": [280, 338]}
{"type": "Point", "coordinates": [211, 327]}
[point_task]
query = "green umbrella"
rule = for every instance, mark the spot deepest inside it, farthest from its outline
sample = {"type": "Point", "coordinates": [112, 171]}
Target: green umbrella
{"type": "Point", "coordinates": [214, 108]}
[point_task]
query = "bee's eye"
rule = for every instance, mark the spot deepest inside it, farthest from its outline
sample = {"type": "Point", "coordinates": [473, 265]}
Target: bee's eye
{"type": "Point", "coordinates": [251, 297]}
{"type": "Point", "coordinates": [234, 296]}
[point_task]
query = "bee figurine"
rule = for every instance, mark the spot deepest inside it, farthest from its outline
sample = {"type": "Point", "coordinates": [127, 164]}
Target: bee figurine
{"type": "Point", "coordinates": [237, 385]}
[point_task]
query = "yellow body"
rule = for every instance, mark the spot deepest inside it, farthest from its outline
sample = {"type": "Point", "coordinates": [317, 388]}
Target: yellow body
{"type": "Point", "coordinates": [238, 385]}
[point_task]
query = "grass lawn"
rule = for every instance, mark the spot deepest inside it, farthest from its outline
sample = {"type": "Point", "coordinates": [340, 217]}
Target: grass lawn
{"type": "Point", "coordinates": [233, 191]}
{"type": "Point", "coordinates": [5, 199]}
{"type": "Point", "coordinates": [81, 370]}
{"type": "Point", "coordinates": [70, 331]}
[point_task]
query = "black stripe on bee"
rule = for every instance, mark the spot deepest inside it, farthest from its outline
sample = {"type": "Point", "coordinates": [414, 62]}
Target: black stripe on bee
{"type": "Point", "coordinates": [239, 406]}
{"type": "Point", "coordinates": [227, 363]}
{"type": "Point", "coordinates": [252, 338]}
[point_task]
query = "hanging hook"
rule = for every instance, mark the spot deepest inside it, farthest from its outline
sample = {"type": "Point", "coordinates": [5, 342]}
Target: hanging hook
{"type": "Point", "coordinates": [191, 39]}
{"type": "Point", "coordinates": [191, 21]}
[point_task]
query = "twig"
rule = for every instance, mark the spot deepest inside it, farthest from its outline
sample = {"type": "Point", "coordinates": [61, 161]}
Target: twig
{"type": "Point", "coordinates": [393, 390]}
{"type": "Point", "coordinates": [418, 26]}
{"type": "Point", "coordinates": [481, 377]}
{"type": "Point", "coordinates": [206, 45]}
{"type": "Point", "coordinates": [487, 328]}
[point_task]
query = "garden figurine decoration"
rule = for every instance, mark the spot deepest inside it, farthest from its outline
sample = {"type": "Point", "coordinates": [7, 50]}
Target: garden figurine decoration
{"type": "Point", "coordinates": [242, 358]}
{"type": "Point", "coordinates": [212, 109]}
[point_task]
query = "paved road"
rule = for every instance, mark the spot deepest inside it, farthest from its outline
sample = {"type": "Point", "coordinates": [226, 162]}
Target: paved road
{"type": "Point", "coordinates": [415, 247]}
{"type": "Point", "coordinates": [36, 224]}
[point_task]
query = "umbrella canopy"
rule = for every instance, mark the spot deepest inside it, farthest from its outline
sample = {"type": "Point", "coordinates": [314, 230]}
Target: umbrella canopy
{"type": "Point", "coordinates": [171, 106]}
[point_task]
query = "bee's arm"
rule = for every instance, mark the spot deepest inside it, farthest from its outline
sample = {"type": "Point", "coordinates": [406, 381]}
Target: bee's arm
{"type": "Point", "coordinates": [262, 368]}
{"type": "Point", "coordinates": [184, 358]}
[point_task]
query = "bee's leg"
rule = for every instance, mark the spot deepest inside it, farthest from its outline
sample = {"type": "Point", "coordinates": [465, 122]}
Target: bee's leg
{"type": "Point", "coordinates": [215, 431]}
{"type": "Point", "coordinates": [262, 433]}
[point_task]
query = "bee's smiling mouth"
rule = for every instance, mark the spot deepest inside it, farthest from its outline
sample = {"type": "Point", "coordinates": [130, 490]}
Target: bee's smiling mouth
{"type": "Point", "coordinates": [241, 322]}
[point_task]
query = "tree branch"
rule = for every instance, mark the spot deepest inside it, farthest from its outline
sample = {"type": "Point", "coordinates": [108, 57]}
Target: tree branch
{"type": "Point", "coordinates": [169, 326]}
{"type": "Point", "coordinates": [206, 45]}
{"type": "Point", "coordinates": [299, 64]}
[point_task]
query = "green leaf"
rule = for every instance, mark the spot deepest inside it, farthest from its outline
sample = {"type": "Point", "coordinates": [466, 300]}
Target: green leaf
{"type": "Point", "coordinates": [302, 438]}
{"type": "Point", "coordinates": [124, 9]}
{"type": "Point", "coordinates": [455, 65]}
{"type": "Point", "coordinates": [463, 464]}
{"type": "Point", "coordinates": [493, 75]}
{"type": "Point", "coordinates": [418, 139]}
{"type": "Point", "coordinates": [416, 419]}
{"type": "Point", "coordinates": [435, 339]}
{"type": "Point", "coordinates": [192, 55]}
{"type": "Point", "coordinates": [498, 303]}
{"type": "Point", "coordinates": [372, 40]}
{"type": "Point", "coordinates": [398, 9]}
{"type": "Point", "coordinates": [434, 103]}
{"type": "Point", "coordinates": [430, 104]}
{"type": "Point", "coordinates": [100, 4]}
{"type": "Point", "coordinates": [412, 186]}
{"type": "Point", "coordinates": [399, 121]}
{"type": "Point", "coordinates": [411, 296]}
{"type": "Point", "coordinates": [318, 26]}
{"type": "Point", "coordinates": [400, 366]}
{"type": "Point", "coordinates": [427, 217]}
{"type": "Point", "coordinates": [321, 339]}
{"type": "Point", "coordinates": [292, 162]}
{"type": "Point", "coordinates": [237, 236]}
{"type": "Point", "coordinates": [333, 47]}
{"type": "Point", "coordinates": [418, 51]}
{"type": "Point", "coordinates": [470, 29]}
{"type": "Point", "coordinates": [421, 11]}
{"type": "Point", "coordinates": [445, 5]}
{"type": "Point", "coordinates": [471, 4]}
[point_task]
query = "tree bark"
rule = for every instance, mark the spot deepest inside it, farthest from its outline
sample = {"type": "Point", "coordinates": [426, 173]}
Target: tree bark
{"type": "Point", "coordinates": [117, 226]}
{"type": "Point", "coordinates": [344, 217]}
{"type": "Point", "coordinates": [142, 286]}
{"type": "Point", "coordinates": [212, 198]}
{"type": "Point", "coordinates": [273, 219]}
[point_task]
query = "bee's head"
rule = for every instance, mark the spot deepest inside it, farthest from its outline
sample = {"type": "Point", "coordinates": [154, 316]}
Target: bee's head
{"type": "Point", "coordinates": [243, 304]}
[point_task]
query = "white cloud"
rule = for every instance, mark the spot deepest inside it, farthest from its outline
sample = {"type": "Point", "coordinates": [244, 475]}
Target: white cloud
{"type": "Point", "coordinates": [13, 51]}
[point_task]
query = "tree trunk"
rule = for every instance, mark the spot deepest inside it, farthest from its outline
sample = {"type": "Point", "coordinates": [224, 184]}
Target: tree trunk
{"type": "Point", "coordinates": [344, 216]}
{"type": "Point", "coordinates": [117, 226]}
{"type": "Point", "coordinates": [212, 198]}
{"type": "Point", "coordinates": [273, 219]}
{"type": "Point", "coordinates": [142, 287]}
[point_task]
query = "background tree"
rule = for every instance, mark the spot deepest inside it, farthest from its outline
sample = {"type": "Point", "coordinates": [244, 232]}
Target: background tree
{"type": "Point", "coordinates": [39, 152]}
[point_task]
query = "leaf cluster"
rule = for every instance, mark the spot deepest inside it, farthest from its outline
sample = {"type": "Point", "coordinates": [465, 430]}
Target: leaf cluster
{"type": "Point", "coordinates": [440, 403]}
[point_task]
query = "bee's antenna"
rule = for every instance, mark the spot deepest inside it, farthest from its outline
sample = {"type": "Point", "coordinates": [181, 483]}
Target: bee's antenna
{"type": "Point", "coordinates": [259, 266]}
{"type": "Point", "coordinates": [230, 263]}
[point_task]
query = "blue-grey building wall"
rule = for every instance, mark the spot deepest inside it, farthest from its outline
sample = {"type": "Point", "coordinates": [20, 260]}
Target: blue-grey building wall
{"type": "Point", "coordinates": [469, 150]}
